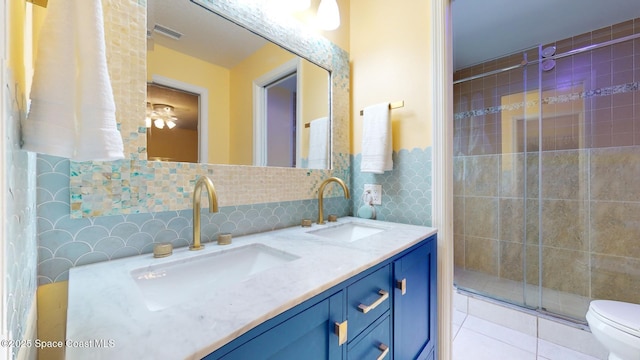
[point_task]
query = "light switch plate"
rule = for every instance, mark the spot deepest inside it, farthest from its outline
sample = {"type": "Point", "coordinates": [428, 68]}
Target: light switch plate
{"type": "Point", "coordinates": [375, 191]}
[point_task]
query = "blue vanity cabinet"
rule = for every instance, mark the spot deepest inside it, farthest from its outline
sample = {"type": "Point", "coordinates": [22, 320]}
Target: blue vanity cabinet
{"type": "Point", "coordinates": [415, 303]}
{"type": "Point", "coordinates": [387, 312]}
{"type": "Point", "coordinates": [307, 334]}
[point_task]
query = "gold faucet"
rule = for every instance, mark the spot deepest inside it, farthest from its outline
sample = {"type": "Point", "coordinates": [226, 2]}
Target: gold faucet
{"type": "Point", "coordinates": [321, 191]}
{"type": "Point", "coordinates": [205, 182]}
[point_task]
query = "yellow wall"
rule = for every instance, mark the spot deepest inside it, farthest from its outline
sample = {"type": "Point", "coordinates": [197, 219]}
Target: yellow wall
{"type": "Point", "coordinates": [315, 101]}
{"type": "Point", "coordinates": [259, 63]}
{"type": "Point", "coordinates": [169, 63]}
{"type": "Point", "coordinates": [16, 46]}
{"type": "Point", "coordinates": [390, 58]}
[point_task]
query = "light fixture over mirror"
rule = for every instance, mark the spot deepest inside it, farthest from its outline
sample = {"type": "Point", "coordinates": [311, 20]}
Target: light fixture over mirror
{"type": "Point", "coordinates": [328, 15]}
{"type": "Point", "coordinates": [237, 67]}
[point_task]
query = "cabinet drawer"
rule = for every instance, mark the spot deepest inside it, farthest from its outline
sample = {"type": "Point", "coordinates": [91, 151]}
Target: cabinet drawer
{"type": "Point", "coordinates": [374, 343]}
{"type": "Point", "coordinates": [367, 300]}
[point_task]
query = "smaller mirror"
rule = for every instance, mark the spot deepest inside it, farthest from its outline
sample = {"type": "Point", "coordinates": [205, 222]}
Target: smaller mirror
{"type": "Point", "coordinates": [264, 105]}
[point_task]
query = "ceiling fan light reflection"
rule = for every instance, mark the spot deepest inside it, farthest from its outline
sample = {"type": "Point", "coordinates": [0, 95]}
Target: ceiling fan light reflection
{"type": "Point", "coordinates": [147, 122]}
{"type": "Point", "coordinates": [171, 124]}
{"type": "Point", "coordinates": [159, 123]}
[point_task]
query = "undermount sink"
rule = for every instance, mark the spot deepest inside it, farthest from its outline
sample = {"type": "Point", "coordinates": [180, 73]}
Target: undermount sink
{"type": "Point", "coordinates": [348, 232]}
{"type": "Point", "coordinates": [184, 280]}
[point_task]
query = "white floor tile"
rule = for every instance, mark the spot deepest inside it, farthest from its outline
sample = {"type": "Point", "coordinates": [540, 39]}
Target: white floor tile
{"type": "Point", "coordinates": [472, 345]}
{"type": "Point", "coordinates": [501, 333]}
{"type": "Point", "coordinates": [551, 351]}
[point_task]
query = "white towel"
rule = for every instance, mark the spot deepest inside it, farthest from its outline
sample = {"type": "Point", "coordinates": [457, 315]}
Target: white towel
{"type": "Point", "coordinates": [319, 144]}
{"type": "Point", "coordinates": [376, 139]}
{"type": "Point", "coordinates": [72, 111]}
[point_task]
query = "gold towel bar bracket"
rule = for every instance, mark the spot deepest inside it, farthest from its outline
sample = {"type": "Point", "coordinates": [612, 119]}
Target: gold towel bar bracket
{"type": "Point", "coordinates": [42, 3]}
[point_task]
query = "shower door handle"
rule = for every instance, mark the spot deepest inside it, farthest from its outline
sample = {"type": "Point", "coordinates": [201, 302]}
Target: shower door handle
{"type": "Point", "coordinates": [402, 285]}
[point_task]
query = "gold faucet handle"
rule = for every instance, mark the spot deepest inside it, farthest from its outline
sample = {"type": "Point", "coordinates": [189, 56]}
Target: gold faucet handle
{"type": "Point", "coordinates": [332, 218]}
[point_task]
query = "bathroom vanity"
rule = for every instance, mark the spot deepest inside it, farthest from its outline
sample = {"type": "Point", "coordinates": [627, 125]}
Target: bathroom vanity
{"type": "Point", "coordinates": [353, 289]}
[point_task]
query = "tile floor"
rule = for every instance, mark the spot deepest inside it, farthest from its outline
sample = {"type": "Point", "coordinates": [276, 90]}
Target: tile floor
{"type": "Point", "coordinates": [485, 331]}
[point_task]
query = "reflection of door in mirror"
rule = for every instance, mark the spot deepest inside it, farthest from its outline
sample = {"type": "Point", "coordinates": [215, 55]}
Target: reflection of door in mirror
{"type": "Point", "coordinates": [172, 124]}
{"type": "Point", "coordinates": [281, 121]}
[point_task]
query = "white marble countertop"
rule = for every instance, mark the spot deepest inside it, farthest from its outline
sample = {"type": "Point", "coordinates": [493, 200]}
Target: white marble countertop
{"type": "Point", "coordinates": [107, 317]}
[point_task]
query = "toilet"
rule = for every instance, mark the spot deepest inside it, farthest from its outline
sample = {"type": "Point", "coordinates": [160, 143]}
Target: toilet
{"type": "Point", "coordinates": [616, 325]}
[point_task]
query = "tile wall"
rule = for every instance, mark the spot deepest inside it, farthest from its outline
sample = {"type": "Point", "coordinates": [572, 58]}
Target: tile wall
{"type": "Point", "coordinates": [19, 254]}
{"type": "Point", "coordinates": [65, 242]}
{"type": "Point", "coordinates": [588, 158]}
{"type": "Point", "coordinates": [406, 191]}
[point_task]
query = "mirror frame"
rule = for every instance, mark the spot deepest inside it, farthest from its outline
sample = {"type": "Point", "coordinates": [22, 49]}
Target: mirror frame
{"type": "Point", "coordinates": [135, 185]}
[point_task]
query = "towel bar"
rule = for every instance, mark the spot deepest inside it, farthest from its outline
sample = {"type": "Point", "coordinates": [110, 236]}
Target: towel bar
{"type": "Point", "coordinates": [393, 105]}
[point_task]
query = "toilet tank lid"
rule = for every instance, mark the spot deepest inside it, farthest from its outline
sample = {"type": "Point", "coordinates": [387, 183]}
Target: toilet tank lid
{"type": "Point", "coordinates": [625, 314]}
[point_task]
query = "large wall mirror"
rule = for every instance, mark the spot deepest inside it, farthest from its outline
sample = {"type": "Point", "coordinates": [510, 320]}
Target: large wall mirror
{"type": "Point", "coordinates": [140, 184]}
{"type": "Point", "coordinates": [265, 105]}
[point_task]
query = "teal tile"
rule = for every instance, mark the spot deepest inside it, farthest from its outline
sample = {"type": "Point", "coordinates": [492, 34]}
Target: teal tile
{"type": "Point", "coordinates": [91, 258]}
{"type": "Point", "coordinates": [92, 235]}
{"type": "Point", "coordinates": [53, 239]}
{"type": "Point", "coordinates": [109, 245]}
{"type": "Point", "coordinates": [72, 251]}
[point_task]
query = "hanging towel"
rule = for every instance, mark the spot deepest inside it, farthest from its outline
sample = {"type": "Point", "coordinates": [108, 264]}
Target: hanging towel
{"type": "Point", "coordinates": [319, 144]}
{"type": "Point", "coordinates": [376, 139]}
{"type": "Point", "coordinates": [72, 111]}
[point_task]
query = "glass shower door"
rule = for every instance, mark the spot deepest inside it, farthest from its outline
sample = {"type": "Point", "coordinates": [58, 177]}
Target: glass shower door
{"type": "Point", "coordinates": [495, 199]}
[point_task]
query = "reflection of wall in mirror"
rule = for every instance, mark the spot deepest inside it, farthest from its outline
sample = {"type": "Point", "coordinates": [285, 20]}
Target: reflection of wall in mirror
{"type": "Point", "coordinates": [253, 67]}
{"type": "Point", "coordinates": [162, 61]}
{"type": "Point", "coordinates": [315, 100]}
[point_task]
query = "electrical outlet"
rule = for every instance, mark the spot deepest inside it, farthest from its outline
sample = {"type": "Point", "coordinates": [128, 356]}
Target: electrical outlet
{"type": "Point", "coordinates": [376, 193]}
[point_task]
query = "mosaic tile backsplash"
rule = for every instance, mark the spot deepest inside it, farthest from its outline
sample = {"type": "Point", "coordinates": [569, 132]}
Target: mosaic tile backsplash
{"type": "Point", "coordinates": [65, 242]}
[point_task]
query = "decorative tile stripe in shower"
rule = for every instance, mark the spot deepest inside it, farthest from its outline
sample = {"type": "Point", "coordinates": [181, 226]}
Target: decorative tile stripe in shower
{"type": "Point", "coordinates": [406, 191]}
{"type": "Point", "coordinates": [64, 242]}
{"type": "Point", "coordinates": [606, 91]}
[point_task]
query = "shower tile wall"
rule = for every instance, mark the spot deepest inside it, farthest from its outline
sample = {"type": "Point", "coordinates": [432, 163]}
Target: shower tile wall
{"type": "Point", "coordinates": [590, 161]}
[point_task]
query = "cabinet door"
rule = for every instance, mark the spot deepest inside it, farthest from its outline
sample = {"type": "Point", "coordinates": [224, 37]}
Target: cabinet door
{"type": "Point", "coordinates": [414, 307]}
{"type": "Point", "coordinates": [306, 335]}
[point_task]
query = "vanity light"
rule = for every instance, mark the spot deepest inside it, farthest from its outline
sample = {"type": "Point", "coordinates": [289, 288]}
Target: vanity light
{"type": "Point", "coordinates": [328, 15]}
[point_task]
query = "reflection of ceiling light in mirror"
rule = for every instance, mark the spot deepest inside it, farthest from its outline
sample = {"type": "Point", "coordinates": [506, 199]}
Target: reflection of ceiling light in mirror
{"type": "Point", "coordinates": [159, 123]}
{"type": "Point", "coordinates": [160, 115]}
{"type": "Point", "coordinates": [328, 15]}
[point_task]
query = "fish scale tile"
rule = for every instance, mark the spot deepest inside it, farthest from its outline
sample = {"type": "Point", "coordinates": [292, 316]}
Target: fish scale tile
{"type": "Point", "coordinates": [406, 191]}
{"type": "Point", "coordinates": [64, 242]}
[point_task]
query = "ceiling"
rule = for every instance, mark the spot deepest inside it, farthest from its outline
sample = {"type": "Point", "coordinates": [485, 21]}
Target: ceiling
{"type": "Point", "coordinates": [205, 35]}
{"type": "Point", "coordinates": [482, 29]}
{"type": "Point", "coordinates": [488, 29]}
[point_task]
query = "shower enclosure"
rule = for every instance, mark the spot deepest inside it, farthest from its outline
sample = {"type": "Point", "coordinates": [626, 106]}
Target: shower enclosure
{"type": "Point", "coordinates": [547, 173]}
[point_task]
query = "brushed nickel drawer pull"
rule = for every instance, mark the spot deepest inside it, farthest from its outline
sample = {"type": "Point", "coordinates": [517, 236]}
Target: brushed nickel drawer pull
{"type": "Point", "coordinates": [402, 285]}
{"type": "Point", "coordinates": [366, 308]}
{"type": "Point", "coordinates": [385, 350]}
